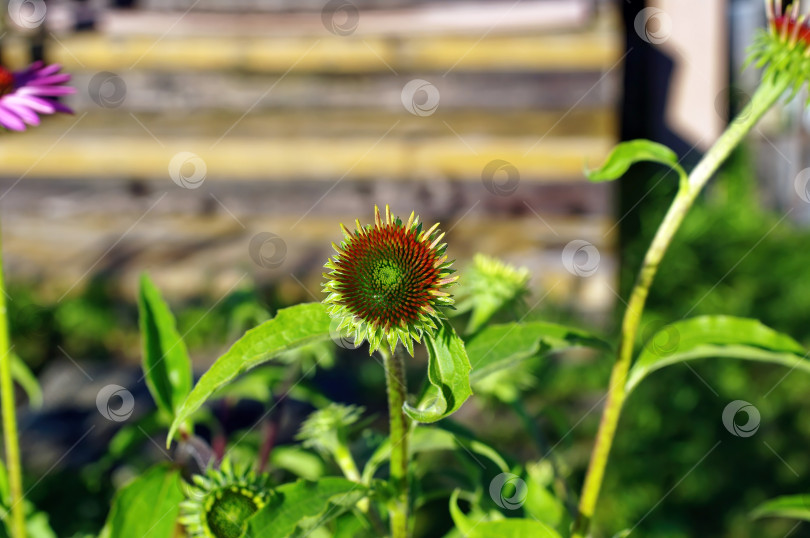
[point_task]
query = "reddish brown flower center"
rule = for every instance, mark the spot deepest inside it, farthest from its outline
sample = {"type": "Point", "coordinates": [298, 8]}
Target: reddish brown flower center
{"type": "Point", "coordinates": [6, 81]}
{"type": "Point", "coordinates": [785, 25]}
{"type": "Point", "coordinates": [385, 275]}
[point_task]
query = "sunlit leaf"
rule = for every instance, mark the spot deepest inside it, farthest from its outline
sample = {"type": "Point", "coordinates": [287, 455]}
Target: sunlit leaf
{"type": "Point", "coordinates": [717, 336]}
{"type": "Point", "coordinates": [291, 328]}
{"type": "Point", "coordinates": [503, 346]}
{"type": "Point", "coordinates": [789, 506]}
{"type": "Point", "coordinates": [628, 153]}
{"type": "Point", "coordinates": [512, 528]}
{"type": "Point", "coordinates": [148, 506]}
{"type": "Point", "coordinates": [166, 365]}
{"type": "Point", "coordinates": [304, 501]}
{"type": "Point", "coordinates": [448, 373]}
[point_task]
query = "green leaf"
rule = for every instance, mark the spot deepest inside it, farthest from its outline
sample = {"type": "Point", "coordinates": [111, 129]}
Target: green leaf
{"type": "Point", "coordinates": [148, 506]}
{"type": "Point", "coordinates": [302, 501]}
{"type": "Point", "coordinates": [448, 373]}
{"type": "Point", "coordinates": [291, 328]}
{"type": "Point", "coordinates": [460, 519]}
{"type": "Point", "coordinates": [298, 461]}
{"type": "Point", "coordinates": [430, 439]}
{"type": "Point", "coordinates": [502, 346]}
{"type": "Point", "coordinates": [716, 336]}
{"type": "Point", "coordinates": [166, 365]}
{"type": "Point", "coordinates": [790, 506]}
{"type": "Point", "coordinates": [512, 528]}
{"type": "Point", "coordinates": [626, 154]}
{"type": "Point", "coordinates": [27, 380]}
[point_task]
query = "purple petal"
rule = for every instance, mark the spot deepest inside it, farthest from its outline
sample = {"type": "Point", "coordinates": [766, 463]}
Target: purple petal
{"type": "Point", "coordinates": [38, 104]}
{"type": "Point", "coordinates": [49, 70]}
{"type": "Point", "coordinates": [51, 91]}
{"type": "Point", "coordinates": [48, 80]}
{"type": "Point", "coordinates": [26, 114]}
{"type": "Point", "coordinates": [9, 120]}
{"type": "Point", "coordinates": [59, 107]}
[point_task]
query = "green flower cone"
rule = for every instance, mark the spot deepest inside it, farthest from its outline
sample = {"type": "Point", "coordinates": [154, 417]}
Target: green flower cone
{"type": "Point", "coordinates": [388, 280]}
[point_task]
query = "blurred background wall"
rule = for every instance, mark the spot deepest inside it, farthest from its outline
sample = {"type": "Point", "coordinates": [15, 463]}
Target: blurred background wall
{"type": "Point", "coordinates": [219, 142]}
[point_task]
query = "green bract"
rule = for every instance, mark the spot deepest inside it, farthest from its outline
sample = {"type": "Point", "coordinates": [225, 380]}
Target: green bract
{"type": "Point", "coordinates": [387, 281]}
{"type": "Point", "coordinates": [784, 50]}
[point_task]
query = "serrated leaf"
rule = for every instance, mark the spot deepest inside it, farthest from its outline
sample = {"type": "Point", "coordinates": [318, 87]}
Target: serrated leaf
{"type": "Point", "coordinates": [716, 336]}
{"type": "Point", "coordinates": [166, 365]}
{"type": "Point", "coordinates": [628, 153]}
{"type": "Point", "coordinates": [148, 506]}
{"type": "Point", "coordinates": [789, 506]}
{"type": "Point", "coordinates": [448, 373]}
{"type": "Point", "coordinates": [291, 328]}
{"type": "Point", "coordinates": [505, 345]}
{"type": "Point", "coordinates": [429, 439]}
{"type": "Point", "coordinates": [300, 501]}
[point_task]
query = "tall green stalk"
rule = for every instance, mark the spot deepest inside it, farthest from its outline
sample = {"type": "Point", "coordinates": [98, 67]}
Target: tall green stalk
{"type": "Point", "coordinates": [399, 429]}
{"type": "Point", "coordinates": [762, 100]}
{"type": "Point", "coordinates": [10, 419]}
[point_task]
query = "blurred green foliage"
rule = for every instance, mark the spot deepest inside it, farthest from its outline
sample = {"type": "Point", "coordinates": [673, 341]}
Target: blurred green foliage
{"type": "Point", "coordinates": [675, 470]}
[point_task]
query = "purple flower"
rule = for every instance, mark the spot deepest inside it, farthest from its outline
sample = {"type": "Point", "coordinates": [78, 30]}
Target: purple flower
{"type": "Point", "coordinates": [27, 94]}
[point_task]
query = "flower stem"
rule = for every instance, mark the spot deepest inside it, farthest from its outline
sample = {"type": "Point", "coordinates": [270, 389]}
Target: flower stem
{"type": "Point", "coordinates": [762, 100]}
{"type": "Point", "coordinates": [10, 420]}
{"type": "Point", "coordinates": [399, 428]}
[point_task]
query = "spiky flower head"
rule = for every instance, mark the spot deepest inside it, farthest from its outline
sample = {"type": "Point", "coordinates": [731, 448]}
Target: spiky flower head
{"type": "Point", "coordinates": [327, 428]}
{"type": "Point", "coordinates": [388, 280]}
{"type": "Point", "coordinates": [220, 502]}
{"type": "Point", "coordinates": [784, 49]}
{"type": "Point", "coordinates": [490, 285]}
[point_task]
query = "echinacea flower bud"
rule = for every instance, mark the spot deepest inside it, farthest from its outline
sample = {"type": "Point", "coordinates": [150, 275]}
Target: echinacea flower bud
{"type": "Point", "coordinates": [220, 502]}
{"type": "Point", "coordinates": [784, 50]}
{"type": "Point", "coordinates": [388, 281]}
